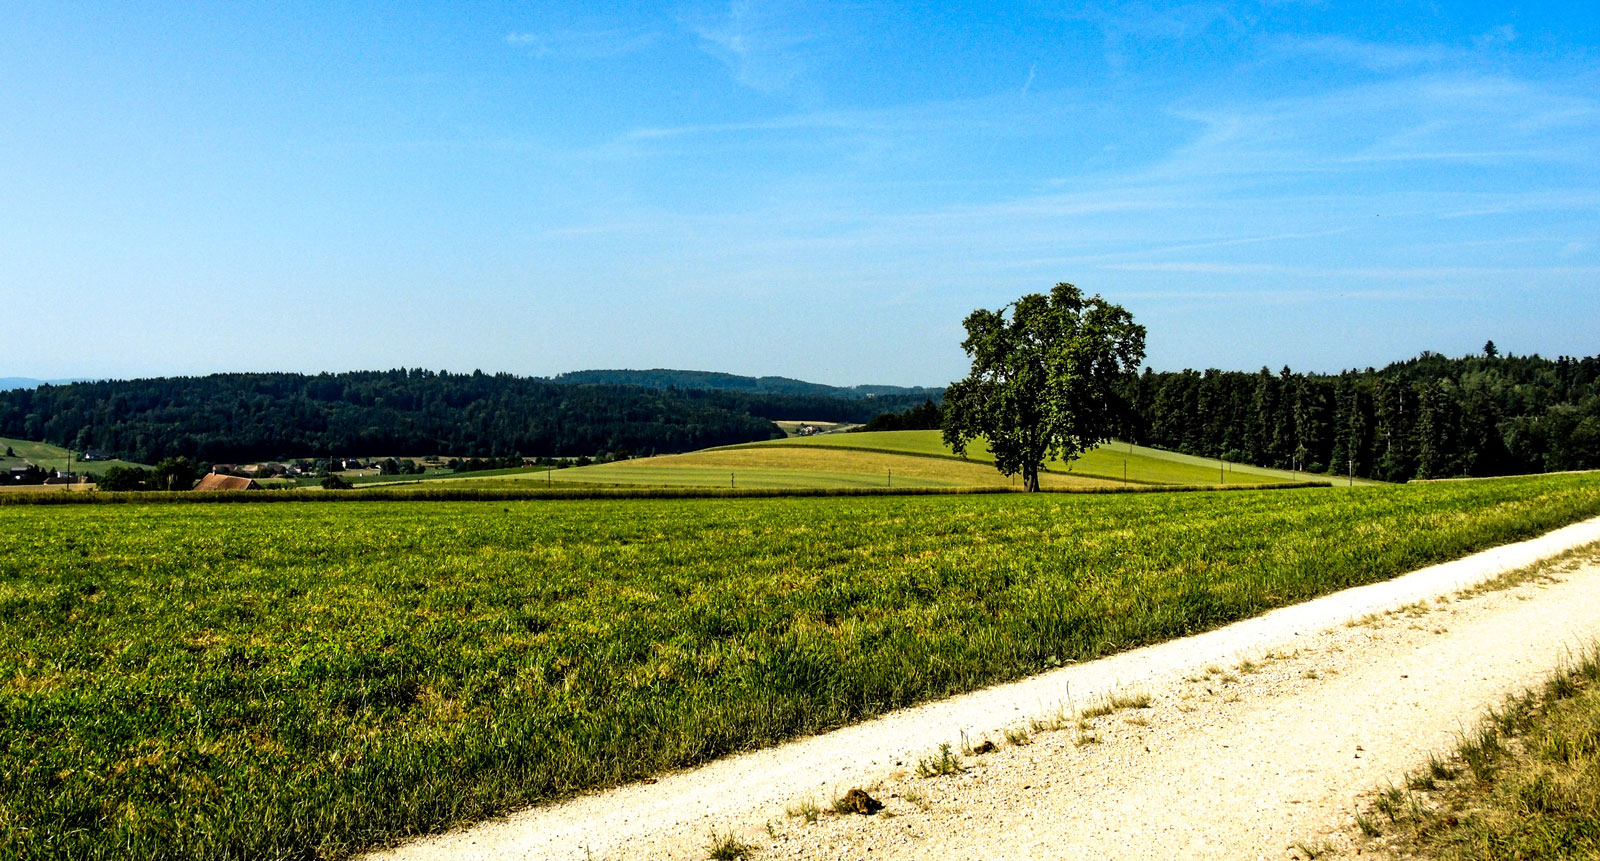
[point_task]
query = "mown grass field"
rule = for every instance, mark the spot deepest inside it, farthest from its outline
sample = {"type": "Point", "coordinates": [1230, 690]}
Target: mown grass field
{"type": "Point", "coordinates": [898, 458]}
{"type": "Point", "coordinates": [53, 457]}
{"type": "Point", "coordinates": [801, 466]}
{"type": "Point", "coordinates": [1114, 461]}
{"type": "Point", "coordinates": [308, 679]}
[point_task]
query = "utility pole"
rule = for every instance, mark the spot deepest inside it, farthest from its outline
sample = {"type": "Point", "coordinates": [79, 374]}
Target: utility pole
{"type": "Point", "coordinates": [891, 478]}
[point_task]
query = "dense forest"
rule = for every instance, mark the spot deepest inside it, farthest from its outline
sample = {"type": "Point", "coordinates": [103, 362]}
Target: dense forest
{"type": "Point", "coordinates": [924, 416]}
{"type": "Point", "coordinates": [251, 417]}
{"type": "Point", "coordinates": [1429, 417]}
{"type": "Point", "coordinates": [662, 378]}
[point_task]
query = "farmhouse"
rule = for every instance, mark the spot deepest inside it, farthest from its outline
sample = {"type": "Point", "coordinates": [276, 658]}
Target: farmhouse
{"type": "Point", "coordinates": [226, 482]}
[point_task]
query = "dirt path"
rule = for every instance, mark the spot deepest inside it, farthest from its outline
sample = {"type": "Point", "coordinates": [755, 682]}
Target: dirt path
{"type": "Point", "coordinates": [1256, 737]}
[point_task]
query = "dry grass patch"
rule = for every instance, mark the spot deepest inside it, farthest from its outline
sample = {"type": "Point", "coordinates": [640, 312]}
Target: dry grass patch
{"type": "Point", "coordinates": [1525, 785]}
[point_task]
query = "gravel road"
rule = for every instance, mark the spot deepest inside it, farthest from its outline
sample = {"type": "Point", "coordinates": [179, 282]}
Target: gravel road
{"type": "Point", "coordinates": [1257, 739]}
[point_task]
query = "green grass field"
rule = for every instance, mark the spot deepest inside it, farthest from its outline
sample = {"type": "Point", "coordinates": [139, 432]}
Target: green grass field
{"type": "Point", "coordinates": [896, 458]}
{"type": "Point", "coordinates": [310, 679]}
{"type": "Point", "coordinates": [53, 457]}
{"type": "Point", "coordinates": [1524, 787]}
{"type": "Point", "coordinates": [1115, 461]}
{"type": "Point", "coordinates": [799, 466]}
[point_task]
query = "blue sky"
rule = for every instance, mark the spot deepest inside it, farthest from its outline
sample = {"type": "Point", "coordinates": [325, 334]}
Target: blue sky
{"type": "Point", "coordinates": [821, 191]}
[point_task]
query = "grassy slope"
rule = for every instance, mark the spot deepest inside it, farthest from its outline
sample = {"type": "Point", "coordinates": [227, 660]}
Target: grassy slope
{"type": "Point", "coordinates": [1105, 462]}
{"type": "Point", "coordinates": [49, 456]}
{"type": "Point", "coordinates": [304, 680]}
{"type": "Point", "coordinates": [916, 459]}
{"type": "Point", "coordinates": [800, 466]}
{"type": "Point", "coordinates": [1525, 786]}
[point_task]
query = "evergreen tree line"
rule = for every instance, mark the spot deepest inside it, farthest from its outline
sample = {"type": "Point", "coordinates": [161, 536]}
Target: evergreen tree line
{"type": "Point", "coordinates": [255, 417]}
{"type": "Point", "coordinates": [924, 416]}
{"type": "Point", "coordinates": [1429, 417]}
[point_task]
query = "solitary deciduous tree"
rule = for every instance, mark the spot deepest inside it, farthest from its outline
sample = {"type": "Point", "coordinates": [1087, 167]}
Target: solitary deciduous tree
{"type": "Point", "coordinates": [174, 473]}
{"type": "Point", "coordinates": [1043, 380]}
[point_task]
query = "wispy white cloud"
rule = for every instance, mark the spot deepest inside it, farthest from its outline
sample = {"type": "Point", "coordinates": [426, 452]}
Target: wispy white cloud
{"type": "Point", "coordinates": [1432, 117]}
{"type": "Point", "coordinates": [1384, 273]}
{"type": "Point", "coordinates": [1122, 24]}
{"type": "Point", "coordinates": [590, 44]}
{"type": "Point", "coordinates": [1369, 55]}
{"type": "Point", "coordinates": [1159, 20]}
{"type": "Point", "coordinates": [1504, 34]}
{"type": "Point", "coordinates": [765, 45]}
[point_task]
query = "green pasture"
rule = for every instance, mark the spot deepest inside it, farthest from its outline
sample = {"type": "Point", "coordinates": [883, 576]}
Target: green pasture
{"type": "Point", "coordinates": [793, 467]}
{"type": "Point", "coordinates": [47, 456]}
{"type": "Point", "coordinates": [790, 428]}
{"type": "Point", "coordinates": [629, 474]}
{"type": "Point", "coordinates": [897, 458]}
{"type": "Point", "coordinates": [1110, 462]}
{"type": "Point", "coordinates": [308, 680]}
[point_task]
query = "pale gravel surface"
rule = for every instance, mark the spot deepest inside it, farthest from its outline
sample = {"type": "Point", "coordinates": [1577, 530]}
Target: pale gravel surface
{"type": "Point", "coordinates": [1223, 764]}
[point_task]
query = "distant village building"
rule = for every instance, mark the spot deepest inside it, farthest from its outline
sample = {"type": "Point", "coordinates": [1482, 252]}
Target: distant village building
{"type": "Point", "coordinates": [96, 454]}
{"type": "Point", "coordinates": [215, 481]}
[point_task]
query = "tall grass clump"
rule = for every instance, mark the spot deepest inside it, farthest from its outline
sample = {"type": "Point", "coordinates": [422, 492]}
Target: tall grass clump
{"type": "Point", "coordinates": [1525, 785]}
{"type": "Point", "coordinates": [309, 680]}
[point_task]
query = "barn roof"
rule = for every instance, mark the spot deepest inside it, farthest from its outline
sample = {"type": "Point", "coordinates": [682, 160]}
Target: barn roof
{"type": "Point", "coordinates": [226, 482]}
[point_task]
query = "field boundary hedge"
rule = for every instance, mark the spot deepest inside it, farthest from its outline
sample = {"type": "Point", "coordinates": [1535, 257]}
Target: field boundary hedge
{"type": "Point", "coordinates": [164, 497]}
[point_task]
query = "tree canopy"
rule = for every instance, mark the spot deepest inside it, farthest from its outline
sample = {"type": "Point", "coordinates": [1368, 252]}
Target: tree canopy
{"type": "Point", "coordinates": [1045, 380]}
{"type": "Point", "coordinates": [252, 417]}
{"type": "Point", "coordinates": [1428, 417]}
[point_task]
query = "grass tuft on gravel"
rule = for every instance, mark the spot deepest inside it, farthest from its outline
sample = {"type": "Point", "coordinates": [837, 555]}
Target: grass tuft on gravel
{"type": "Point", "coordinates": [1525, 785]}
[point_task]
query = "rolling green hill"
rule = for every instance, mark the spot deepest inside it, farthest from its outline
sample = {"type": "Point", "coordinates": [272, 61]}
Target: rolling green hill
{"type": "Point", "coordinates": [890, 459]}
{"type": "Point", "coordinates": [1116, 461]}
{"type": "Point", "coordinates": [52, 457]}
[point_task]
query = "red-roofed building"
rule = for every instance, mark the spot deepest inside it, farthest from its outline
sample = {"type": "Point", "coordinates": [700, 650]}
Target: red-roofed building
{"type": "Point", "coordinates": [227, 482]}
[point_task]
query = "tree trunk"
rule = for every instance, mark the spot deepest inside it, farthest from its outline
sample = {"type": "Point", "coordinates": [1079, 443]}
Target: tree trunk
{"type": "Point", "coordinates": [1030, 478]}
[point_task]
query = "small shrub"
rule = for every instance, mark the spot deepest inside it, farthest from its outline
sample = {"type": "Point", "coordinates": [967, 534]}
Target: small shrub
{"type": "Point", "coordinates": [937, 766]}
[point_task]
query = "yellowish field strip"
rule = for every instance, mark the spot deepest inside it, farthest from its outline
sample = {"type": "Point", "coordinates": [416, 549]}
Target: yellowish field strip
{"type": "Point", "coordinates": [808, 467]}
{"type": "Point", "coordinates": [1111, 461]}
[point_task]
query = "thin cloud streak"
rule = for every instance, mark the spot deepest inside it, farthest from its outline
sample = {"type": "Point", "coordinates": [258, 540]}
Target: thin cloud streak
{"type": "Point", "coordinates": [594, 44]}
{"type": "Point", "coordinates": [763, 44]}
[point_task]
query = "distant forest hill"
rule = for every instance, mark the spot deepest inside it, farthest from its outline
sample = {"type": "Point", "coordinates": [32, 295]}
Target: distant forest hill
{"type": "Point", "coordinates": [253, 417]}
{"type": "Point", "coordinates": [1429, 417]}
{"type": "Point", "coordinates": [662, 378]}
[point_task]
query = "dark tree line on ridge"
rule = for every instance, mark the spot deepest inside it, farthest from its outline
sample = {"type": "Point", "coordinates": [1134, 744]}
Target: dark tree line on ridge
{"type": "Point", "coordinates": [1428, 417]}
{"type": "Point", "coordinates": [253, 417]}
